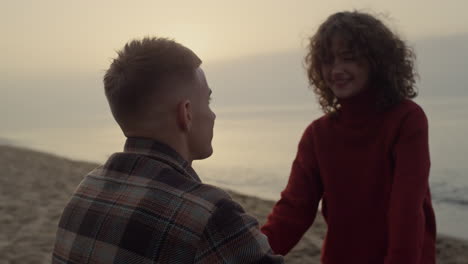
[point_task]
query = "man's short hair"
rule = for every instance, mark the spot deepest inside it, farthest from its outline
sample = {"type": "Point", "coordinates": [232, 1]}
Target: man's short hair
{"type": "Point", "coordinates": [139, 71]}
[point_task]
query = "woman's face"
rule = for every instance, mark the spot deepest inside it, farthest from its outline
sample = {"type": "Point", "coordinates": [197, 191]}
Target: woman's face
{"type": "Point", "coordinates": [345, 73]}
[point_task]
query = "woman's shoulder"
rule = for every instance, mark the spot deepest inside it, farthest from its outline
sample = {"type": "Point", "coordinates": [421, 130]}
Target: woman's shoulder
{"type": "Point", "coordinates": [321, 123]}
{"type": "Point", "coordinates": [406, 107]}
{"type": "Point", "coordinates": [405, 115]}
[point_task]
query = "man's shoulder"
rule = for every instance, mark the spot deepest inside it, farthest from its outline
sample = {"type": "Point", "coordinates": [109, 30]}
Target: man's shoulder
{"type": "Point", "coordinates": [209, 197]}
{"type": "Point", "coordinates": [159, 176]}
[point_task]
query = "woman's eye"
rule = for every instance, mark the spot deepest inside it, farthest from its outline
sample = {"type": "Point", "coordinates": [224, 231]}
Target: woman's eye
{"type": "Point", "coordinates": [327, 61]}
{"type": "Point", "coordinates": [349, 58]}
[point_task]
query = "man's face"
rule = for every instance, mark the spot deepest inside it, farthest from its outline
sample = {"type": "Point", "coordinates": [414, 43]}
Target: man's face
{"type": "Point", "coordinates": [345, 73]}
{"type": "Point", "coordinates": [201, 132]}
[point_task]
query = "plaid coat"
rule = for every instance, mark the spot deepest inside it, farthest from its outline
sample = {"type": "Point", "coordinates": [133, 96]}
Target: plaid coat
{"type": "Point", "coordinates": [147, 205]}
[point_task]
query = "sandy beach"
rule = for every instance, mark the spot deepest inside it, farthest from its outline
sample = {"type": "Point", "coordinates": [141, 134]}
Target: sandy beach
{"type": "Point", "coordinates": [35, 187]}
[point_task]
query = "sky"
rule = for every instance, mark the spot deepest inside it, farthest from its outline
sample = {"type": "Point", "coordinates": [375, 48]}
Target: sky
{"type": "Point", "coordinates": [54, 53]}
{"type": "Point", "coordinates": [64, 35]}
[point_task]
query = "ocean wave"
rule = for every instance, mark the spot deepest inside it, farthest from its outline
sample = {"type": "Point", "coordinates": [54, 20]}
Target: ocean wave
{"type": "Point", "coordinates": [450, 186]}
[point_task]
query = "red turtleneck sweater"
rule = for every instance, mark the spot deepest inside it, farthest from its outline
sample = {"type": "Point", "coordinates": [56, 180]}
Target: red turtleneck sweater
{"type": "Point", "coordinates": [371, 172]}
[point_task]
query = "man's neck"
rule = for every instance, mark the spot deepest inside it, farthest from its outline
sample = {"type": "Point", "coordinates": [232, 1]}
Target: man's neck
{"type": "Point", "coordinates": [176, 142]}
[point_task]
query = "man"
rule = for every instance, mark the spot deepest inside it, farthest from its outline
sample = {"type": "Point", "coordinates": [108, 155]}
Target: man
{"type": "Point", "coordinates": [147, 204]}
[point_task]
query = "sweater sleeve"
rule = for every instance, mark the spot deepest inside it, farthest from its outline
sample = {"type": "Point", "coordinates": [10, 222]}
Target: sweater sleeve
{"type": "Point", "coordinates": [295, 212]}
{"type": "Point", "coordinates": [409, 189]}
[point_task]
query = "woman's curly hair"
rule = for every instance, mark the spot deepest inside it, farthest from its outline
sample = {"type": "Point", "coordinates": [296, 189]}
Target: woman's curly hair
{"type": "Point", "coordinates": [391, 60]}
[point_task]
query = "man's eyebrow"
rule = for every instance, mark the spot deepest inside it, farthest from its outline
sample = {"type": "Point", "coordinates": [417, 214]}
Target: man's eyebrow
{"type": "Point", "coordinates": [210, 92]}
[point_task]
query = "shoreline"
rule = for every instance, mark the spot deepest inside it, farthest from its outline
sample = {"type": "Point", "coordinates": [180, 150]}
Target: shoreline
{"type": "Point", "coordinates": [35, 187]}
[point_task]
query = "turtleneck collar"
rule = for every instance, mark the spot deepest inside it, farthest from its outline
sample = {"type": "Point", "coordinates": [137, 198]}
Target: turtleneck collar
{"type": "Point", "coordinates": [358, 108]}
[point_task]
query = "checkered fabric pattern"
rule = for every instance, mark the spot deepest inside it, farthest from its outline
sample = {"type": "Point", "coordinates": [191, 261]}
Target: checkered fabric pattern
{"type": "Point", "coordinates": [147, 205]}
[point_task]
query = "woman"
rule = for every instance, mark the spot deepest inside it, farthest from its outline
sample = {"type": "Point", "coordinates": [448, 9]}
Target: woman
{"type": "Point", "coordinates": [367, 157]}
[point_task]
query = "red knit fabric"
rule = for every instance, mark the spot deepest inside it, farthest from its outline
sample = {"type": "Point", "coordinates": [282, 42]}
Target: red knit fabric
{"type": "Point", "coordinates": [371, 171]}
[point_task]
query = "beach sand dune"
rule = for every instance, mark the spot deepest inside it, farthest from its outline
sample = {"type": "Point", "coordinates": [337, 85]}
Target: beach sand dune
{"type": "Point", "coordinates": [34, 188]}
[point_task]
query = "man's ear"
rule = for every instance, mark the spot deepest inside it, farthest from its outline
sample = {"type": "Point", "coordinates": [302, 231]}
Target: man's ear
{"type": "Point", "coordinates": [184, 115]}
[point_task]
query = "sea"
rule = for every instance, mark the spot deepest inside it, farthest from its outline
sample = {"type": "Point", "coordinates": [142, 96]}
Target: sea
{"type": "Point", "coordinates": [254, 147]}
